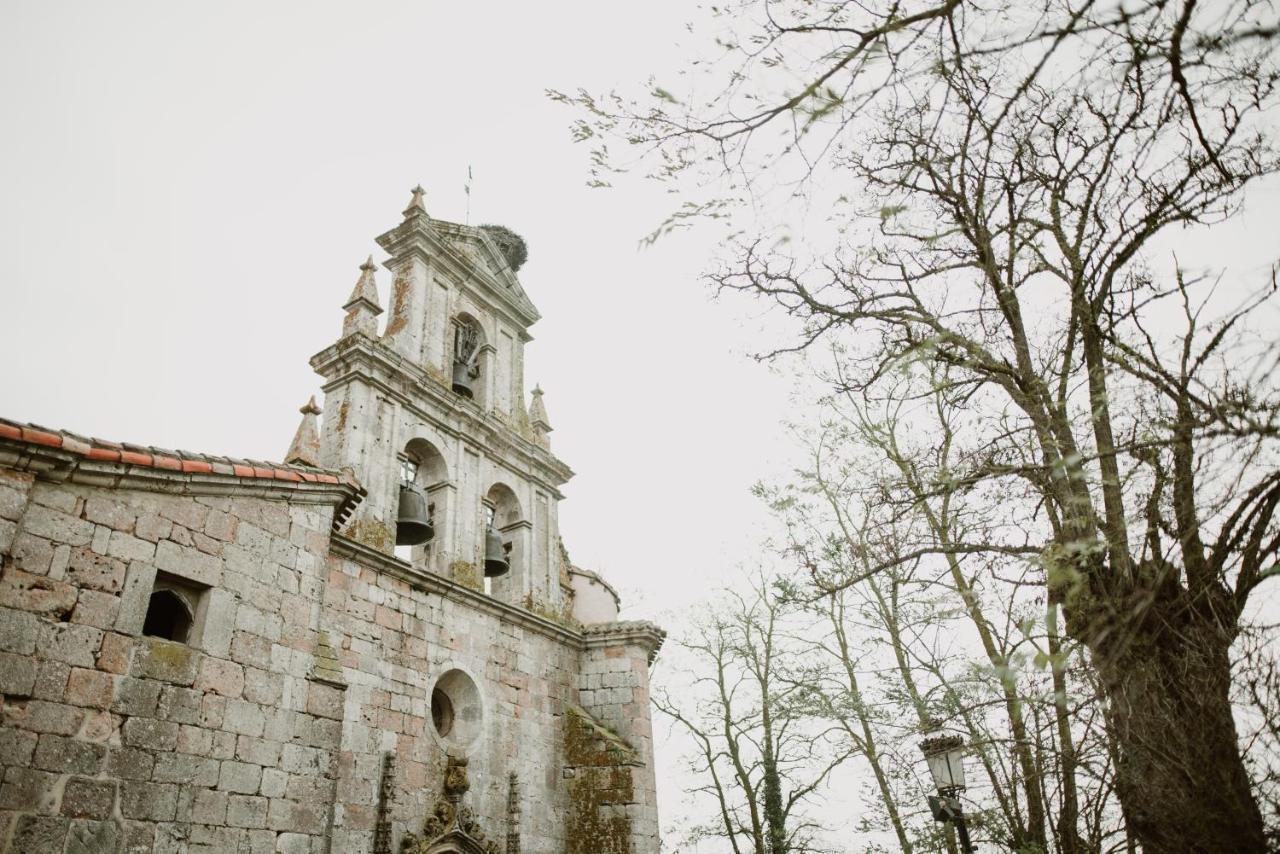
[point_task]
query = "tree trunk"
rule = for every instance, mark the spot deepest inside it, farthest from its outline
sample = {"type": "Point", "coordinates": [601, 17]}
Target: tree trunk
{"type": "Point", "coordinates": [1166, 673]}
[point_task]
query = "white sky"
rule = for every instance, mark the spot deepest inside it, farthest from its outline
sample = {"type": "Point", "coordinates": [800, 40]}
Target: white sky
{"type": "Point", "coordinates": [187, 190]}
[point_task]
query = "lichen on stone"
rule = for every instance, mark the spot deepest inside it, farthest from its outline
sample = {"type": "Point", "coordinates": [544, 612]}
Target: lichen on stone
{"type": "Point", "coordinates": [466, 574]}
{"type": "Point", "coordinates": [373, 533]}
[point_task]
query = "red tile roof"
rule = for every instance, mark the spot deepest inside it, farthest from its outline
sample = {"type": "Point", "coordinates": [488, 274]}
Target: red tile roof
{"type": "Point", "coordinates": [180, 461]}
{"type": "Point", "coordinates": [184, 462]}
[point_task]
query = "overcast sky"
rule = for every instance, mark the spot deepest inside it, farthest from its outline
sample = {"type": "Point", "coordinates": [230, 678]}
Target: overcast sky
{"type": "Point", "coordinates": [188, 190]}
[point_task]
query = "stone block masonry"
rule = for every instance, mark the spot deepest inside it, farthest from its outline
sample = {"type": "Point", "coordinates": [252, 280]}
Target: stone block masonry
{"type": "Point", "coordinates": [117, 741]}
{"type": "Point", "coordinates": [309, 659]}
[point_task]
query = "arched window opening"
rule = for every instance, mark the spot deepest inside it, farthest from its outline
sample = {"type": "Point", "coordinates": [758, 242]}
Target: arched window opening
{"type": "Point", "coordinates": [422, 505]}
{"type": "Point", "coordinates": [467, 346]}
{"type": "Point", "coordinates": [168, 617]}
{"type": "Point", "coordinates": [505, 524]}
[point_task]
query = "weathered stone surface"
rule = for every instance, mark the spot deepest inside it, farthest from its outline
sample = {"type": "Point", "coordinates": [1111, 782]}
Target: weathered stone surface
{"type": "Point", "coordinates": [189, 563]}
{"type": "Point", "coordinates": [92, 688]}
{"type": "Point", "coordinates": [17, 674]}
{"type": "Point", "coordinates": [136, 697]}
{"type": "Point", "coordinates": [92, 837]}
{"type": "Point", "coordinates": [39, 834]}
{"type": "Point", "coordinates": [70, 643]}
{"type": "Point", "coordinates": [18, 631]}
{"type": "Point", "coordinates": [97, 609]}
{"type": "Point", "coordinates": [130, 763]}
{"type": "Point", "coordinates": [150, 733]}
{"type": "Point", "coordinates": [17, 747]}
{"type": "Point", "coordinates": [87, 569]}
{"type": "Point", "coordinates": [155, 658]}
{"type": "Point", "coordinates": [240, 777]}
{"type": "Point", "coordinates": [148, 801]}
{"type": "Point", "coordinates": [29, 790]}
{"type": "Point", "coordinates": [68, 755]}
{"type": "Point", "coordinates": [36, 594]}
{"type": "Point", "coordinates": [135, 595]}
{"type": "Point", "coordinates": [41, 716]}
{"type": "Point", "coordinates": [86, 798]}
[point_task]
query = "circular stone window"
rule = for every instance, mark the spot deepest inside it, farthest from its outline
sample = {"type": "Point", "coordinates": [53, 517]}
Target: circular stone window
{"type": "Point", "coordinates": [455, 709]}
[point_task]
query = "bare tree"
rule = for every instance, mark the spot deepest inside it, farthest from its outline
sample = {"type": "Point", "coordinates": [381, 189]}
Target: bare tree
{"type": "Point", "coordinates": [758, 756]}
{"type": "Point", "coordinates": [867, 518]}
{"type": "Point", "coordinates": [1010, 166]}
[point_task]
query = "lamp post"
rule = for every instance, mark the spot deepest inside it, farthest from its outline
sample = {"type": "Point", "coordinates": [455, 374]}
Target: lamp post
{"type": "Point", "coordinates": [945, 755]}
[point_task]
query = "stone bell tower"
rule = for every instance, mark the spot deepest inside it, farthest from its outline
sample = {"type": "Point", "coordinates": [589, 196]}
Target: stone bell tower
{"type": "Point", "coordinates": [436, 401]}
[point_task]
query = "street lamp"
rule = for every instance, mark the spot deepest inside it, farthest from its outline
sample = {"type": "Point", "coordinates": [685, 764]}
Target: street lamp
{"type": "Point", "coordinates": [945, 755]}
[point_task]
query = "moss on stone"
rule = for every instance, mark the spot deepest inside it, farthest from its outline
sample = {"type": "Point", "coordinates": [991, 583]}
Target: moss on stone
{"type": "Point", "coordinates": [373, 533]}
{"type": "Point", "coordinates": [466, 574]}
{"type": "Point", "coordinates": [559, 616]}
{"type": "Point", "coordinates": [598, 762]}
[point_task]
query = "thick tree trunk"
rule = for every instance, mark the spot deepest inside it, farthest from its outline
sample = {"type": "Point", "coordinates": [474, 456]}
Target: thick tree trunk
{"type": "Point", "coordinates": [1166, 673]}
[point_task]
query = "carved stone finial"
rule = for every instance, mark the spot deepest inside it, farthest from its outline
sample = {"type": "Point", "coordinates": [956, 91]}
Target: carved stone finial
{"type": "Point", "coordinates": [363, 302]}
{"type": "Point", "coordinates": [305, 448]}
{"type": "Point", "coordinates": [538, 412]}
{"type": "Point", "coordinates": [416, 205]}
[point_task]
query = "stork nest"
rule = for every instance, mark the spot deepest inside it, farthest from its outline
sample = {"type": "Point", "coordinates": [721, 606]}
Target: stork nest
{"type": "Point", "coordinates": [510, 244]}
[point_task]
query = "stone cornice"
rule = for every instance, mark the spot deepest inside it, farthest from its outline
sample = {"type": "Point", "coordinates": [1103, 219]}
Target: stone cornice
{"type": "Point", "coordinates": [407, 383]}
{"type": "Point", "coordinates": [641, 633]}
{"type": "Point", "coordinates": [450, 589]}
{"type": "Point", "coordinates": [635, 632]}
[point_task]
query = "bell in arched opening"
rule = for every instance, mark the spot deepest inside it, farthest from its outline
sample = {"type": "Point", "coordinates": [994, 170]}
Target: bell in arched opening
{"type": "Point", "coordinates": [413, 522]}
{"type": "Point", "coordinates": [466, 359]}
{"type": "Point", "coordinates": [495, 554]}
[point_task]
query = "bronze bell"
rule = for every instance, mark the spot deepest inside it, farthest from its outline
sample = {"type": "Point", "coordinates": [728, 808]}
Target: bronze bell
{"type": "Point", "coordinates": [463, 375]}
{"type": "Point", "coordinates": [413, 524]}
{"type": "Point", "coordinates": [495, 554]}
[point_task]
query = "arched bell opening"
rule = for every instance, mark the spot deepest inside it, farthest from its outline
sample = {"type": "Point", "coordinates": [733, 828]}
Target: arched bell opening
{"type": "Point", "coordinates": [506, 544]}
{"type": "Point", "coordinates": [469, 377]}
{"type": "Point", "coordinates": [423, 503]}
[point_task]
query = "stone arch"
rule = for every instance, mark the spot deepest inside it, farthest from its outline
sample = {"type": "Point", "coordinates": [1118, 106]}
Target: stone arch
{"type": "Point", "coordinates": [513, 524]}
{"type": "Point", "coordinates": [427, 470]}
{"type": "Point", "coordinates": [457, 842]}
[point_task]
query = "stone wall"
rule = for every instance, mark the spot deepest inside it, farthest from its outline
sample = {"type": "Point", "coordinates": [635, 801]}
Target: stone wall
{"type": "Point", "coordinates": [114, 739]}
{"type": "Point", "coordinates": [613, 683]}
{"type": "Point", "coordinates": [312, 657]}
{"type": "Point", "coordinates": [399, 635]}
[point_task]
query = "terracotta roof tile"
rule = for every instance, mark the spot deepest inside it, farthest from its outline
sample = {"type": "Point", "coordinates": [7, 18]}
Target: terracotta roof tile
{"type": "Point", "coordinates": [189, 462]}
{"type": "Point", "coordinates": [41, 437]}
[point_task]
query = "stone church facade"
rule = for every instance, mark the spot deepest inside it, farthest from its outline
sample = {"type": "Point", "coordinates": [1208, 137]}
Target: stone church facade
{"type": "Point", "coordinates": [206, 654]}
